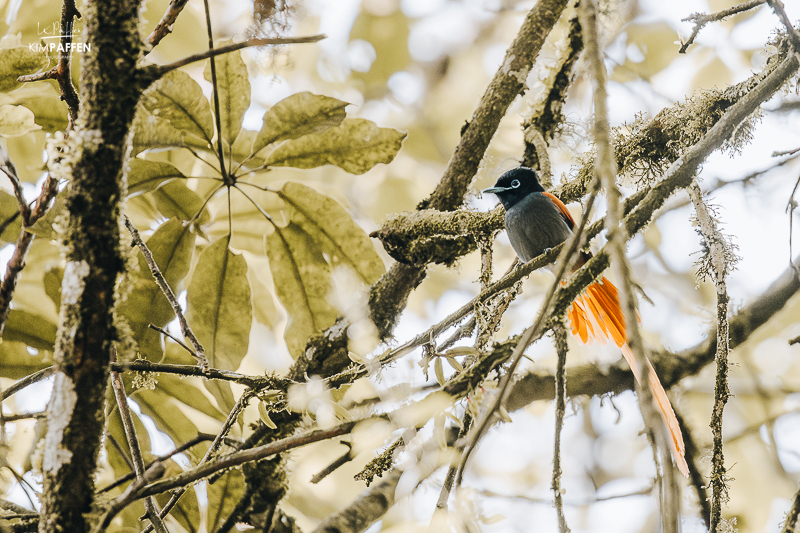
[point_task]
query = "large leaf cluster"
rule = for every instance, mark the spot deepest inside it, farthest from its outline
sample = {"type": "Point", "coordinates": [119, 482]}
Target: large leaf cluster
{"type": "Point", "coordinates": [225, 227]}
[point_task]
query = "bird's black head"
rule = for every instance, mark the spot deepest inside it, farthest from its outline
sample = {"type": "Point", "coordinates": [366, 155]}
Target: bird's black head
{"type": "Point", "coordinates": [515, 185]}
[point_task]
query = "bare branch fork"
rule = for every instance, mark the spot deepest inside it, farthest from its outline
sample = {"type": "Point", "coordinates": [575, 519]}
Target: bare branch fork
{"type": "Point", "coordinates": [701, 19]}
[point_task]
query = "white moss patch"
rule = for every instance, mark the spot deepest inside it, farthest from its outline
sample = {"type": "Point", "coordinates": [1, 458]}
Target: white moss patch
{"type": "Point", "coordinates": [72, 286]}
{"type": "Point", "coordinates": [59, 413]}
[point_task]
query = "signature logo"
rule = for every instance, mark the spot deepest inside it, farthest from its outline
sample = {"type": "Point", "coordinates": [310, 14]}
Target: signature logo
{"type": "Point", "coordinates": [56, 31]}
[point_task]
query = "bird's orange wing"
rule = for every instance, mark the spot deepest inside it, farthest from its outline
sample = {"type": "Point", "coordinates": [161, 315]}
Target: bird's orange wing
{"type": "Point", "coordinates": [564, 211]}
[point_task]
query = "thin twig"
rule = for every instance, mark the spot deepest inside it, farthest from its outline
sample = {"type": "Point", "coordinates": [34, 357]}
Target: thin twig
{"type": "Point", "coordinates": [245, 456]}
{"type": "Point", "coordinates": [534, 137]}
{"type": "Point", "coordinates": [164, 26]}
{"type": "Point", "coordinates": [199, 351]}
{"type": "Point", "coordinates": [458, 449]}
{"type": "Point", "coordinates": [701, 19]}
{"type": "Point", "coordinates": [253, 382]}
{"type": "Point", "coordinates": [29, 217]}
{"type": "Point", "coordinates": [338, 462]}
{"type": "Point", "coordinates": [27, 381]}
{"type": "Point", "coordinates": [696, 479]}
{"type": "Point", "coordinates": [241, 403]}
{"type": "Point", "coordinates": [156, 71]}
{"type": "Point", "coordinates": [719, 257]}
{"type": "Point", "coordinates": [780, 12]}
{"type": "Point", "coordinates": [23, 416]}
{"type": "Point", "coordinates": [202, 437]}
{"type": "Point", "coordinates": [789, 526]}
{"type": "Point", "coordinates": [150, 505]}
{"type": "Point", "coordinates": [560, 341]}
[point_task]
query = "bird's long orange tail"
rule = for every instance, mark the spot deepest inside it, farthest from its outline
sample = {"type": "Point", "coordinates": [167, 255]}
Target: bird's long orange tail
{"type": "Point", "coordinates": [596, 314]}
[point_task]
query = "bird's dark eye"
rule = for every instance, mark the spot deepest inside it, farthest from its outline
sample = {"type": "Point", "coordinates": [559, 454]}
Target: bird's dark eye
{"type": "Point", "coordinates": [515, 184]}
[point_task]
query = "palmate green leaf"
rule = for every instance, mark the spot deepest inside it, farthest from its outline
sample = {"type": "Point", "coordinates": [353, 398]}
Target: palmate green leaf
{"type": "Point", "coordinates": [356, 146]}
{"type": "Point", "coordinates": [219, 305]}
{"type": "Point", "coordinates": [10, 218]}
{"type": "Point", "coordinates": [334, 230]}
{"type": "Point", "coordinates": [234, 92]}
{"type": "Point", "coordinates": [179, 99]}
{"type": "Point", "coordinates": [175, 199]}
{"type": "Point", "coordinates": [16, 361]}
{"type": "Point", "coordinates": [33, 330]}
{"type": "Point", "coordinates": [223, 495]}
{"type": "Point", "coordinates": [146, 176]}
{"type": "Point", "coordinates": [298, 115]}
{"type": "Point", "coordinates": [172, 245]}
{"type": "Point", "coordinates": [16, 62]}
{"type": "Point", "coordinates": [16, 120]}
{"type": "Point", "coordinates": [302, 280]}
{"type": "Point", "coordinates": [151, 132]}
{"type": "Point", "coordinates": [49, 111]}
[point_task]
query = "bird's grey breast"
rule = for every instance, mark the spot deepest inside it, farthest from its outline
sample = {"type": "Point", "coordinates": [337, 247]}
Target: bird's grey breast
{"type": "Point", "coordinates": [535, 224]}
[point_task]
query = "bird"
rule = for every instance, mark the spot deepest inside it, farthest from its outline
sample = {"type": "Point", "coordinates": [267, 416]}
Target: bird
{"type": "Point", "coordinates": [536, 221]}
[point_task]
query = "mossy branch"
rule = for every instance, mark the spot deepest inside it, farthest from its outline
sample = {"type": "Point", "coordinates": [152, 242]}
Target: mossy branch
{"type": "Point", "coordinates": [643, 151]}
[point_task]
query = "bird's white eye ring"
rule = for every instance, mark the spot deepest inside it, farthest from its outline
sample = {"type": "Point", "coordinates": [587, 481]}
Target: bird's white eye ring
{"type": "Point", "coordinates": [515, 184]}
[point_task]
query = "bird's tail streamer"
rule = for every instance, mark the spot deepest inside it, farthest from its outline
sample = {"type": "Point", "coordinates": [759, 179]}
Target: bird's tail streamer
{"type": "Point", "coordinates": [596, 314]}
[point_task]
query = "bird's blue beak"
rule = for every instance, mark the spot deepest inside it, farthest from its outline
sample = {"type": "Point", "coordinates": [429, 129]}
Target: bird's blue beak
{"type": "Point", "coordinates": [495, 190]}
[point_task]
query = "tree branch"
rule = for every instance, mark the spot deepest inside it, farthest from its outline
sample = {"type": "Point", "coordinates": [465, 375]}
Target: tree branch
{"type": "Point", "coordinates": [154, 72]}
{"type": "Point", "coordinates": [701, 19]}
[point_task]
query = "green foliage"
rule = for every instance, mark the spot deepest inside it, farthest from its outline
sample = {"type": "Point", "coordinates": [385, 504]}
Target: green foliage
{"type": "Point", "coordinates": [33, 330]}
{"type": "Point", "coordinates": [356, 146]}
{"type": "Point", "coordinates": [9, 215]}
{"type": "Point", "coordinates": [16, 62]}
{"type": "Point", "coordinates": [227, 228]}
{"type": "Point", "coordinates": [302, 281]}
{"type": "Point", "coordinates": [16, 120]}
{"type": "Point", "coordinates": [178, 99]}
{"type": "Point", "coordinates": [333, 230]}
{"type": "Point", "coordinates": [233, 89]}
{"type": "Point", "coordinates": [298, 115]}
